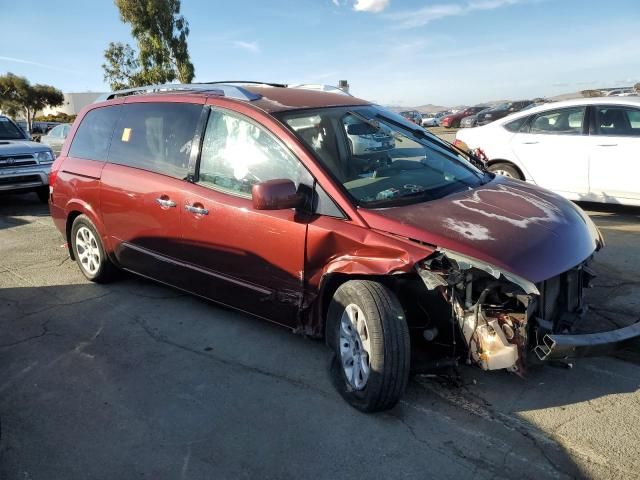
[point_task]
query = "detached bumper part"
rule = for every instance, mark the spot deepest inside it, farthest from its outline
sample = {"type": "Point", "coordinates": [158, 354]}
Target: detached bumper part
{"type": "Point", "coordinates": [556, 347]}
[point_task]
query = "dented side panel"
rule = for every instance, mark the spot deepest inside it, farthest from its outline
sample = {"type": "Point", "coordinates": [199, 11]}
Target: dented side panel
{"type": "Point", "coordinates": [340, 247]}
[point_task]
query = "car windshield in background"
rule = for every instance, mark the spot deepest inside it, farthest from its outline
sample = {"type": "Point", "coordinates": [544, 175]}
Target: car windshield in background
{"type": "Point", "coordinates": [9, 131]}
{"type": "Point", "coordinates": [502, 106]}
{"type": "Point", "coordinates": [380, 158]}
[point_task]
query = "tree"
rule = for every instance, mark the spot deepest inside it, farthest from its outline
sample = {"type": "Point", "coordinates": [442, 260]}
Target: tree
{"type": "Point", "coordinates": [161, 35]}
{"type": "Point", "coordinates": [18, 95]}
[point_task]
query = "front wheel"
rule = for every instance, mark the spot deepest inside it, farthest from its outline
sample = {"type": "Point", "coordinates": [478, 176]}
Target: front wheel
{"type": "Point", "coordinates": [368, 333]}
{"type": "Point", "coordinates": [506, 170]}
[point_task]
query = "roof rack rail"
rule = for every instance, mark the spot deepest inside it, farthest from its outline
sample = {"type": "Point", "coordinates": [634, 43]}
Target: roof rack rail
{"type": "Point", "coordinates": [225, 90]}
{"type": "Point", "coordinates": [249, 82]}
{"type": "Point", "coordinates": [320, 88]}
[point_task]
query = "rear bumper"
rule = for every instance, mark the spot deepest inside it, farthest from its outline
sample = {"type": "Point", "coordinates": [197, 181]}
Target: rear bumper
{"type": "Point", "coordinates": [555, 347]}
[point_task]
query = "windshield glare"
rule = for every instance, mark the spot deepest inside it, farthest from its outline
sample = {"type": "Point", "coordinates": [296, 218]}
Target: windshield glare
{"type": "Point", "coordinates": [9, 131]}
{"type": "Point", "coordinates": [380, 158]}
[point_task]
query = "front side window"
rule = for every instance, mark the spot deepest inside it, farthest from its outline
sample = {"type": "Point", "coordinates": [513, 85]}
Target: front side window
{"type": "Point", "coordinates": [380, 159]}
{"type": "Point", "coordinates": [237, 153]}
{"type": "Point", "coordinates": [156, 137]}
{"type": "Point", "coordinates": [565, 121]}
{"type": "Point", "coordinates": [93, 137]}
{"type": "Point", "coordinates": [618, 121]}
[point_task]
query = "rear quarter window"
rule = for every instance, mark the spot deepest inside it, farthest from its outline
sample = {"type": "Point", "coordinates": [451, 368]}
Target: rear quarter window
{"type": "Point", "coordinates": [93, 137]}
{"type": "Point", "coordinates": [515, 125]}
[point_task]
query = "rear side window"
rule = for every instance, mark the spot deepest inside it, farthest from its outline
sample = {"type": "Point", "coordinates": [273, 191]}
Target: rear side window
{"type": "Point", "coordinates": [93, 137]}
{"type": "Point", "coordinates": [618, 121]}
{"type": "Point", "coordinates": [564, 121]}
{"type": "Point", "coordinates": [156, 137]}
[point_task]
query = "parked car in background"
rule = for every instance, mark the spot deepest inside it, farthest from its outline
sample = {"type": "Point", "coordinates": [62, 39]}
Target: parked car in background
{"type": "Point", "coordinates": [584, 149]}
{"type": "Point", "coordinates": [622, 92]}
{"type": "Point", "coordinates": [23, 125]}
{"type": "Point", "coordinates": [365, 139]}
{"type": "Point", "coordinates": [471, 120]}
{"type": "Point", "coordinates": [500, 111]}
{"type": "Point", "coordinates": [363, 251]}
{"type": "Point", "coordinates": [56, 137]}
{"type": "Point", "coordinates": [24, 165]}
{"type": "Point", "coordinates": [429, 120]}
{"type": "Point", "coordinates": [440, 115]}
{"type": "Point", "coordinates": [42, 127]}
{"type": "Point", "coordinates": [413, 116]}
{"type": "Point", "coordinates": [453, 119]}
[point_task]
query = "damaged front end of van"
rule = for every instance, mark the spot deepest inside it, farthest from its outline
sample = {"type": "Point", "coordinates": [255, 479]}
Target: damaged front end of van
{"type": "Point", "coordinates": [508, 322]}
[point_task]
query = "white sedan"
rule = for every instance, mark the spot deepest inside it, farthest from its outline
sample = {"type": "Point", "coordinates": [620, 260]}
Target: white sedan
{"type": "Point", "coordinates": [585, 149]}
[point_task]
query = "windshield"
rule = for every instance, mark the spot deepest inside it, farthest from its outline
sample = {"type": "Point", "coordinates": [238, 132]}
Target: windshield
{"type": "Point", "coordinates": [9, 130]}
{"type": "Point", "coordinates": [380, 158]}
{"type": "Point", "coordinates": [502, 106]}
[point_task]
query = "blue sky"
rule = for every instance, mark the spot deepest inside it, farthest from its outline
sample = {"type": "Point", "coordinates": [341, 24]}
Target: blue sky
{"type": "Point", "coordinates": [402, 52]}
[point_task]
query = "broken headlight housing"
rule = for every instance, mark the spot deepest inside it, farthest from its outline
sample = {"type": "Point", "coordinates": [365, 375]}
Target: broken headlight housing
{"type": "Point", "coordinates": [489, 305]}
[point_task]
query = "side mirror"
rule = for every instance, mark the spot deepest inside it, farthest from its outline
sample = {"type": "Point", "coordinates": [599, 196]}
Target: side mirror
{"type": "Point", "coordinates": [359, 129]}
{"type": "Point", "coordinates": [276, 194]}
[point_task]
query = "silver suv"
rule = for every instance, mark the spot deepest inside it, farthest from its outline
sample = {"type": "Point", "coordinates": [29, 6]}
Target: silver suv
{"type": "Point", "coordinates": [24, 165]}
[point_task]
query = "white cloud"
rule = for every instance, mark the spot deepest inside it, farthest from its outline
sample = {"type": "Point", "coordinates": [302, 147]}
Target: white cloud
{"type": "Point", "coordinates": [37, 64]}
{"type": "Point", "coordinates": [375, 6]}
{"type": "Point", "coordinates": [252, 47]}
{"type": "Point", "coordinates": [422, 16]}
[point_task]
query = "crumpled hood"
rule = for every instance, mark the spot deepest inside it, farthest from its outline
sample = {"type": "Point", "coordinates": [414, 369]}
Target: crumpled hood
{"type": "Point", "coordinates": [516, 226]}
{"type": "Point", "coordinates": [18, 147]}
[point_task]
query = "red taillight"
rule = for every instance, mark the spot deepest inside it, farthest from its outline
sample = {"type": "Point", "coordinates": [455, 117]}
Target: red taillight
{"type": "Point", "coordinates": [53, 174]}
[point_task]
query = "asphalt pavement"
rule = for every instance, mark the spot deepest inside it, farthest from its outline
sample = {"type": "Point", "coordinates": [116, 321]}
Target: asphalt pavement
{"type": "Point", "coordinates": [136, 380]}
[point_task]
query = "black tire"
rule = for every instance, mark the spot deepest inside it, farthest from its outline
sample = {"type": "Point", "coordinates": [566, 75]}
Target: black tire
{"type": "Point", "coordinates": [105, 269]}
{"type": "Point", "coordinates": [507, 168]}
{"type": "Point", "coordinates": [43, 194]}
{"type": "Point", "coordinates": [390, 349]}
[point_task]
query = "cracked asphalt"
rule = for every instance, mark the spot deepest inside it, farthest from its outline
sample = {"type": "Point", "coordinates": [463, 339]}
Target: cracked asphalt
{"type": "Point", "coordinates": [136, 380]}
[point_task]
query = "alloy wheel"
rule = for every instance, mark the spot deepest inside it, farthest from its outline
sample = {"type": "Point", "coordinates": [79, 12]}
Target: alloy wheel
{"type": "Point", "coordinates": [355, 346]}
{"type": "Point", "coordinates": [87, 250]}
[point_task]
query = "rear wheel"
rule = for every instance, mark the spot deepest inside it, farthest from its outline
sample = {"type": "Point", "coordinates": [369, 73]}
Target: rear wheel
{"type": "Point", "coordinates": [89, 252]}
{"type": "Point", "coordinates": [369, 335]}
{"type": "Point", "coordinates": [506, 170]}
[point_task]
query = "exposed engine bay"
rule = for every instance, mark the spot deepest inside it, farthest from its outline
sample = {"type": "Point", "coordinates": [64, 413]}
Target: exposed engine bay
{"type": "Point", "coordinates": [505, 321]}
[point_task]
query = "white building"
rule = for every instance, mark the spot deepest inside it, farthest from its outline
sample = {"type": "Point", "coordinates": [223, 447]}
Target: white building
{"type": "Point", "coordinates": [73, 103]}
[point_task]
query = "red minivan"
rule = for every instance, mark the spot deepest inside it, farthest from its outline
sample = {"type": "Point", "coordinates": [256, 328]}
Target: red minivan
{"type": "Point", "coordinates": [252, 197]}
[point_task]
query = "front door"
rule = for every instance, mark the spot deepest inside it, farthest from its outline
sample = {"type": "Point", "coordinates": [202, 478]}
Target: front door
{"type": "Point", "coordinates": [250, 259]}
{"type": "Point", "coordinates": [614, 162]}
{"type": "Point", "coordinates": [142, 185]}
{"type": "Point", "coordinates": [554, 150]}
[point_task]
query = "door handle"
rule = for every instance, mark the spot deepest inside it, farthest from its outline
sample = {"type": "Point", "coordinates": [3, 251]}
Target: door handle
{"type": "Point", "coordinates": [196, 210]}
{"type": "Point", "coordinates": [530, 143]}
{"type": "Point", "coordinates": [607, 145]}
{"type": "Point", "coordinates": [165, 202]}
